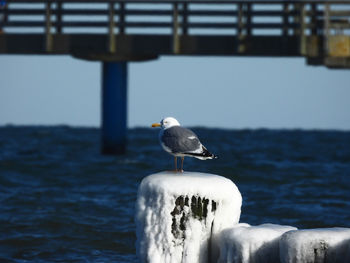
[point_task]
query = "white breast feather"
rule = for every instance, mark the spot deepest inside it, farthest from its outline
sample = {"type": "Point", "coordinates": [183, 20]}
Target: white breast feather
{"type": "Point", "coordinates": [166, 148]}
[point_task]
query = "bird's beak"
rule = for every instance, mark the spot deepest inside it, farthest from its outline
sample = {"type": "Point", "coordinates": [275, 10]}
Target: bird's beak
{"type": "Point", "coordinates": [156, 125]}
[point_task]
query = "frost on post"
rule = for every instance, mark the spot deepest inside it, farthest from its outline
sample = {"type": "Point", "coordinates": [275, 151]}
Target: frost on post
{"type": "Point", "coordinates": [179, 216]}
{"type": "Point", "coordinates": [322, 245]}
{"type": "Point", "coordinates": [247, 244]}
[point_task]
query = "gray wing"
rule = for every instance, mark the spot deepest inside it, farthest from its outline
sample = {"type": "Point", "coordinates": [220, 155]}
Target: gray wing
{"type": "Point", "coordinates": [180, 140]}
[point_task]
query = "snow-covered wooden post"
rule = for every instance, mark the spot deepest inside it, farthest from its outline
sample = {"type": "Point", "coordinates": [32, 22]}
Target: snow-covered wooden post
{"type": "Point", "coordinates": [319, 245]}
{"type": "Point", "coordinates": [179, 216]}
{"type": "Point", "coordinates": [244, 243]}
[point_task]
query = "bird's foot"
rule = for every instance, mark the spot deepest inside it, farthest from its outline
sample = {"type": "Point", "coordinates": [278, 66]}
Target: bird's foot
{"type": "Point", "coordinates": [172, 171]}
{"type": "Point", "coordinates": [176, 171]}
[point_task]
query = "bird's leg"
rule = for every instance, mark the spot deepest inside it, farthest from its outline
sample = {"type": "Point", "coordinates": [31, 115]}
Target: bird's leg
{"type": "Point", "coordinates": [175, 162]}
{"type": "Point", "coordinates": [182, 164]}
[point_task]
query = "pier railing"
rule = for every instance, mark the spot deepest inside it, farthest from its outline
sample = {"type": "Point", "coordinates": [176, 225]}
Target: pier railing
{"type": "Point", "coordinates": [143, 29]}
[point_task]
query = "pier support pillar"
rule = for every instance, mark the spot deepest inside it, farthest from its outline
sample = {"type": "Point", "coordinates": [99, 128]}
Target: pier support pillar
{"type": "Point", "coordinates": [114, 107]}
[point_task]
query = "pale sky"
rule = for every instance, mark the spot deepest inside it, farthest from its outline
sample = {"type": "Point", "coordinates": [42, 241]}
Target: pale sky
{"type": "Point", "coordinates": [228, 92]}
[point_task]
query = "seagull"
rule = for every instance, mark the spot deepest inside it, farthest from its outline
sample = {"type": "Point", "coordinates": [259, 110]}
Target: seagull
{"type": "Point", "coordinates": [181, 142]}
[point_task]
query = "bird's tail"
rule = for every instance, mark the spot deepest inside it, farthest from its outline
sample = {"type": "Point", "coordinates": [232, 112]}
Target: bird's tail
{"type": "Point", "coordinates": [204, 155]}
{"type": "Point", "coordinates": [208, 155]}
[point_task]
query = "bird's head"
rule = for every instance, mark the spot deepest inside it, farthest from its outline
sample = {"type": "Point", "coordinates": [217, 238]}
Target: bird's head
{"type": "Point", "coordinates": [167, 123]}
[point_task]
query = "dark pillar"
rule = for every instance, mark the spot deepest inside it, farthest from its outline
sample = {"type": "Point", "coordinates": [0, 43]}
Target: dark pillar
{"type": "Point", "coordinates": [114, 107]}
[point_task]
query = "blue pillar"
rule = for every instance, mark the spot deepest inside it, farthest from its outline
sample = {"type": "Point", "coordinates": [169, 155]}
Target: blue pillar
{"type": "Point", "coordinates": [114, 107]}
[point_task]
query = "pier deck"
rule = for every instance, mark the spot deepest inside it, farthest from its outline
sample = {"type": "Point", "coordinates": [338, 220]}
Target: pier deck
{"type": "Point", "coordinates": [112, 30]}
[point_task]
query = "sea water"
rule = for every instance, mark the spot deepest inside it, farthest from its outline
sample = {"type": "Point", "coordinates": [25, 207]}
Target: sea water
{"type": "Point", "coordinates": [62, 201]}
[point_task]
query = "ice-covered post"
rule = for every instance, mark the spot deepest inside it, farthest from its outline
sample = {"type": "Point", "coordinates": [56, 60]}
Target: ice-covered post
{"type": "Point", "coordinates": [319, 245]}
{"type": "Point", "coordinates": [180, 215]}
{"type": "Point", "coordinates": [246, 244]}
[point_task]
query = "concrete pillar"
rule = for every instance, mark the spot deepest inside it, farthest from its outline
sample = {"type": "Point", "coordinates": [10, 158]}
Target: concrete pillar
{"type": "Point", "coordinates": [114, 107]}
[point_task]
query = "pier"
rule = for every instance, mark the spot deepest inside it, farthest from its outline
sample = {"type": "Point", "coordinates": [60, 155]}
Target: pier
{"type": "Point", "coordinates": [116, 32]}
